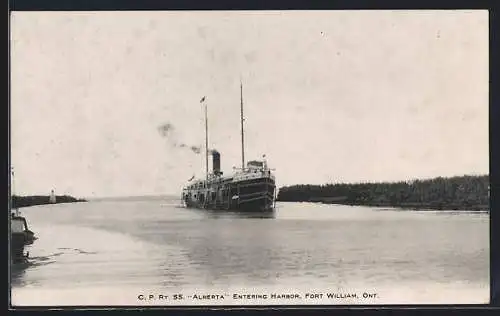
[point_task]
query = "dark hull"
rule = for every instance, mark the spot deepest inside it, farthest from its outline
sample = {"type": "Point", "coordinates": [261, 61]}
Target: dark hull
{"type": "Point", "coordinates": [255, 195]}
{"type": "Point", "coordinates": [19, 238]}
{"type": "Point", "coordinates": [17, 243]}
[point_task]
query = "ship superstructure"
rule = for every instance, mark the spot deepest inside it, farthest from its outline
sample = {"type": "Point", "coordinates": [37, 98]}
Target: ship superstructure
{"type": "Point", "coordinates": [250, 188]}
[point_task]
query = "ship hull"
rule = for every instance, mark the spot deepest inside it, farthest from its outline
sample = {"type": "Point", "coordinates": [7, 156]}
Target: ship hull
{"type": "Point", "coordinates": [251, 195]}
{"type": "Point", "coordinates": [17, 243]}
{"type": "Point", "coordinates": [20, 236]}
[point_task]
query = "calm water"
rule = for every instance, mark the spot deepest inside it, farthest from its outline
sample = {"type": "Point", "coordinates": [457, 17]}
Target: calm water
{"type": "Point", "coordinates": [109, 252]}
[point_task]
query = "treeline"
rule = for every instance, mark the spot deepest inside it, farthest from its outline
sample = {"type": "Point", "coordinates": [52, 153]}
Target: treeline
{"type": "Point", "coordinates": [24, 201]}
{"type": "Point", "coordinates": [454, 193]}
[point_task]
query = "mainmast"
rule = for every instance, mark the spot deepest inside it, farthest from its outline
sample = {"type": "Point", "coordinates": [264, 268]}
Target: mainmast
{"type": "Point", "coordinates": [242, 133]}
{"type": "Point", "coordinates": [206, 140]}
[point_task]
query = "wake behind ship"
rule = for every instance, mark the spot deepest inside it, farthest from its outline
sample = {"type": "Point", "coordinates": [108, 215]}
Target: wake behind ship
{"type": "Point", "coordinates": [250, 188]}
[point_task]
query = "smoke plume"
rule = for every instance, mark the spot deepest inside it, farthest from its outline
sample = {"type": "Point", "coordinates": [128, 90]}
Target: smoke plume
{"type": "Point", "coordinates": [195, 149]}
{"type": "Point", "coordinates": [166, 130]}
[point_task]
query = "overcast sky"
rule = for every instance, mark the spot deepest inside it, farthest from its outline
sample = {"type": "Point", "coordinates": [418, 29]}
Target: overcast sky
{"type": "Point", "coordinates": [330, 96]}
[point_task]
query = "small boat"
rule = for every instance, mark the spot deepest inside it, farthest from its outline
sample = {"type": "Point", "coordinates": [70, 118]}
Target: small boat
{"type": "Point", "coordinates": [19, 225]}
{"type": "Point", "coordinates": [20, 236]}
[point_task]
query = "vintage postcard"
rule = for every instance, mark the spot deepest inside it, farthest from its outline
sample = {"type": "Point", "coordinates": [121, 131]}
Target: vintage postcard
{"type": "Point", "coordinates": [249, 158]}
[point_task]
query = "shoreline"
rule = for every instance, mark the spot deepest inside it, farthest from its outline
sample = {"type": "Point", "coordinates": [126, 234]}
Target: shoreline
{"type": "Point", "coordinates": [34, 200]}
{"type": "Point", "coordinates": [411, 206]}
{"type": "Point", "coordinates": [459, 193]}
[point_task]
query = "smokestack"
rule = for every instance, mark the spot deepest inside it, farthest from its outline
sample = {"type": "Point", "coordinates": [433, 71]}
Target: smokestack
{"type": "Point", "coordinates": [215, 162]}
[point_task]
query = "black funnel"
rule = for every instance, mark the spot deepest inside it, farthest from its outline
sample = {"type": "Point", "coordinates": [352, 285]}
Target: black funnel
{"type": "Point", "coordinates": [215, 162]}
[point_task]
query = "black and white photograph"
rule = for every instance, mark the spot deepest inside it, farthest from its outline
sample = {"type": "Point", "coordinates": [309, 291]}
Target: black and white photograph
{"type": "Point", "coordinates": [249, 158]}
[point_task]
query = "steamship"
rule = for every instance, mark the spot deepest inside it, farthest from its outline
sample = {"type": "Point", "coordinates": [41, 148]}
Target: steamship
{"type": "Point", "coordinates": [251, 188]}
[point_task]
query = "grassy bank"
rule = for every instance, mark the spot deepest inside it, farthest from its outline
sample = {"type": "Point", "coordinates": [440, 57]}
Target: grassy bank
{"type": "Point", "coordinates": [31, 200]}
{"type": "Point", "coordinates": [453, 193]}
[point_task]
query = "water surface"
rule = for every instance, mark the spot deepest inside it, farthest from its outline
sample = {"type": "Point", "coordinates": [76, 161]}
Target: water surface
{"type": "Point", "coordinates": [109, 252]}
